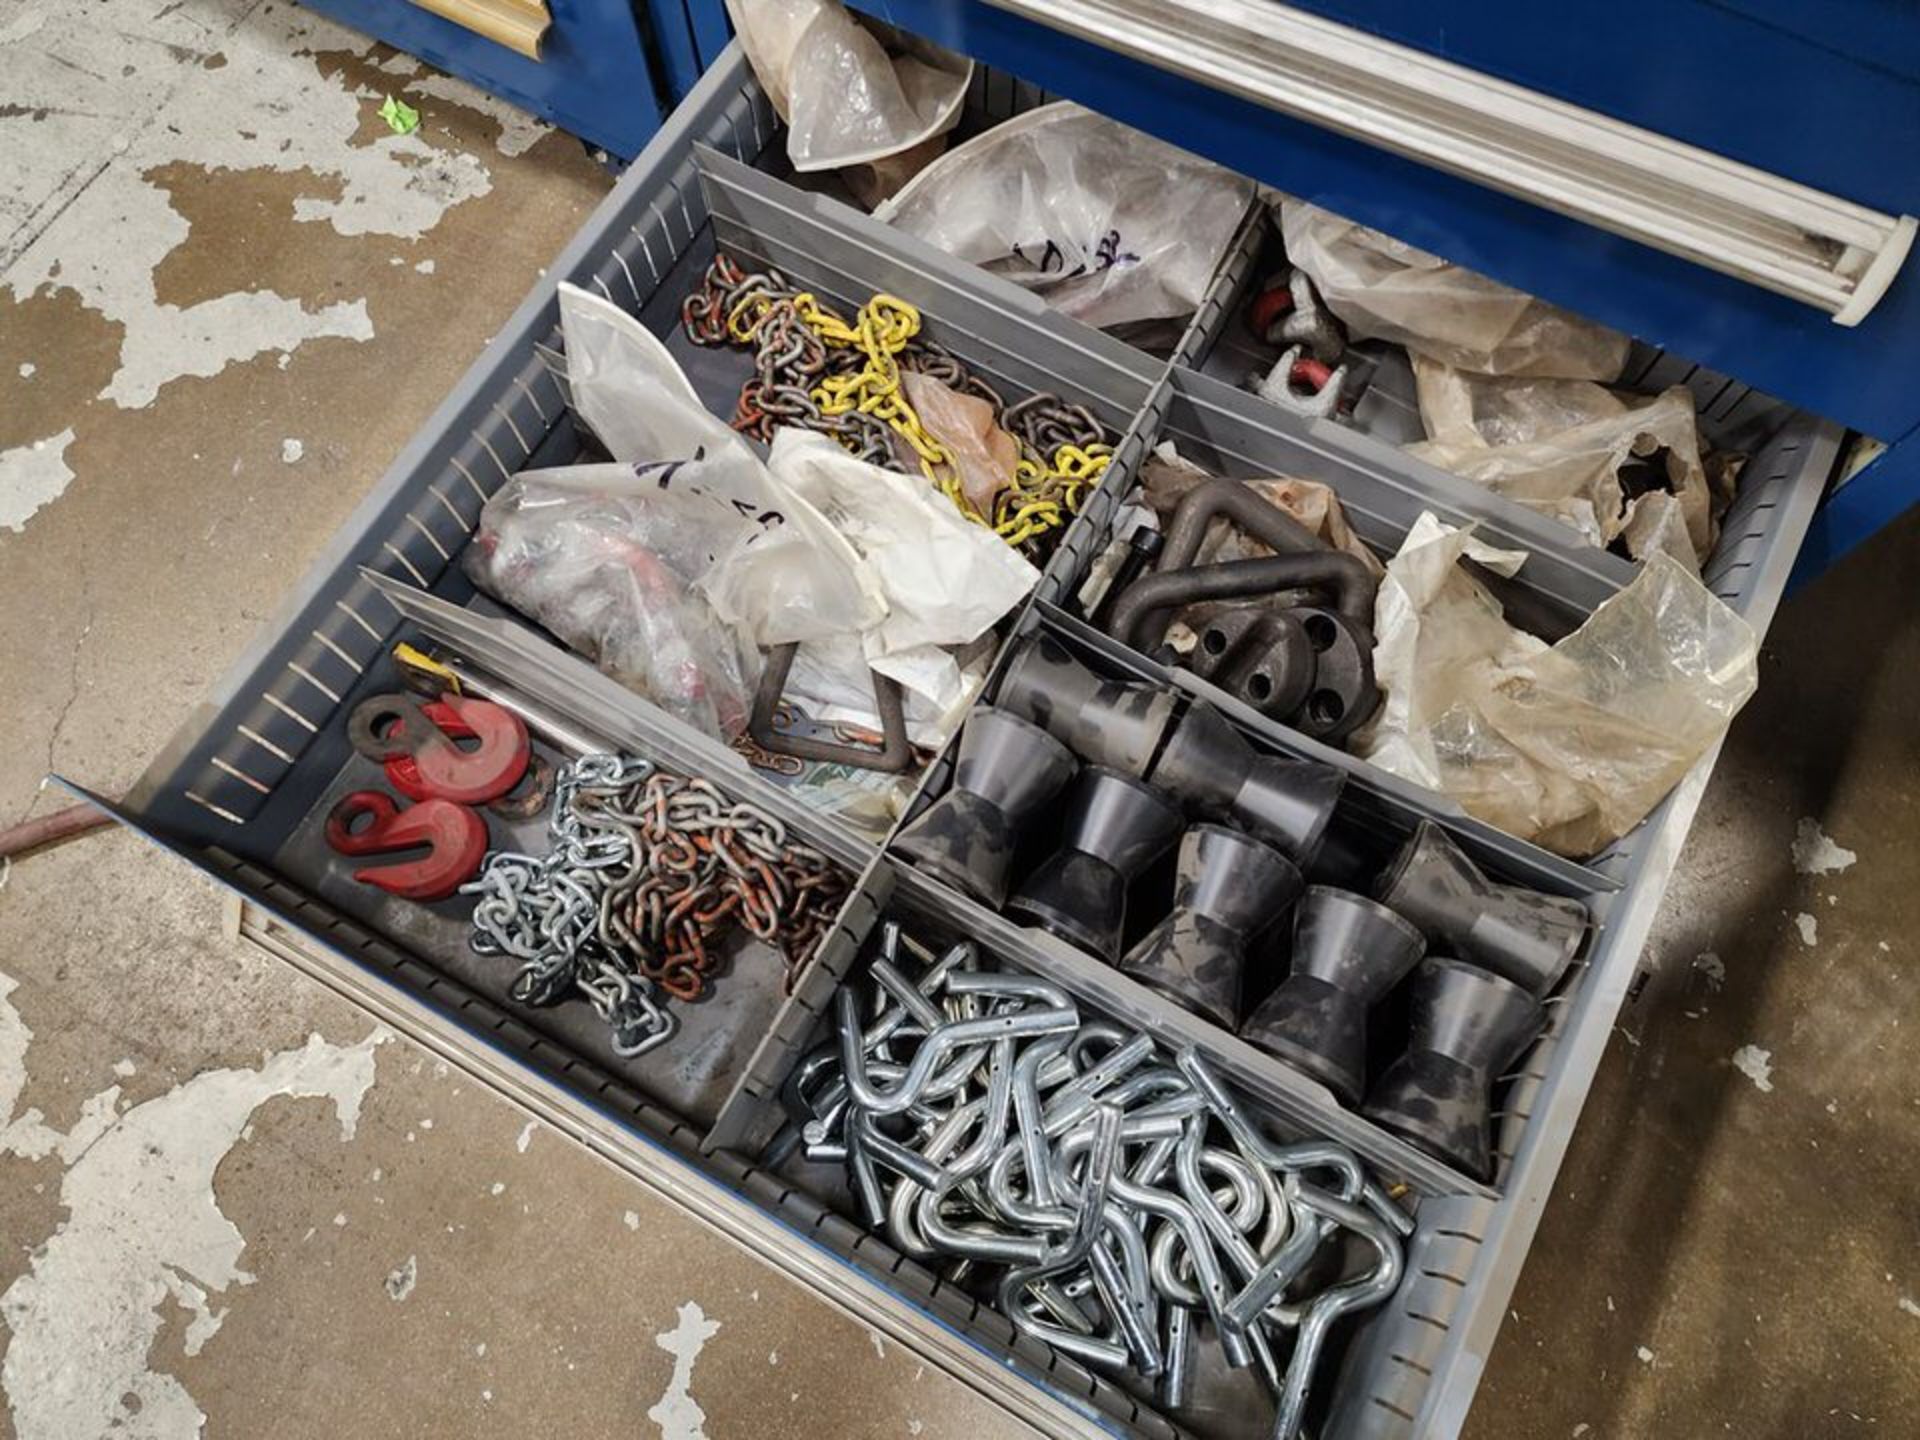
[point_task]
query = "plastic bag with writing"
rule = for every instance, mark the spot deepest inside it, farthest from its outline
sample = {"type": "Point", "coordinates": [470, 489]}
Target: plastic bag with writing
{"type": "Point", "coordinates": [852, 90]}
{"type": "Point", "coordinates": [1384, 289]}
{"type": "Point", "coordinates": [1569, 745]}
{"type": "Point", "coordinates": [776, 569]}
{"type": "Point", "coordinates": [1110, 225]}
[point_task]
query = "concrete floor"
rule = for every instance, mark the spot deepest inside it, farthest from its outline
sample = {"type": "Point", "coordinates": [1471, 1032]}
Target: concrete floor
{"type": "Point", "coordinates": [227, 297]}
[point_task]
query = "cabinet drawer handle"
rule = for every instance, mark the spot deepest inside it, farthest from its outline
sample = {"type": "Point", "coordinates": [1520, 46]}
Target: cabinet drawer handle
{"type": "Point", "coordinates": [517, 24]}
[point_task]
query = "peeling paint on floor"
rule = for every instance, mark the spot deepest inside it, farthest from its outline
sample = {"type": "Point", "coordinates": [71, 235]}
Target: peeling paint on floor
{"type": "Point", "coordinates": [677, 1413]}
{"type": "Point", "coordinates": [32, 476]}
{"type": "Point", "coordinates": [1809, 928]}
{"type": "Point", "coordinates": [1814, 851]}
{"type": "Point", "coordinates": [226, 86]}
{"type": "Point", "coordinates": [270, 107]}
{"type": "Point", "coordinates": [519, 131]}
{"type": "Point", "coordinates": [1757, 1065]}
{"type": "Point", "coordinates": [143, 1224]}
{"type": "Point", "coordinates": [28, 1136]}
{"type": "Point", "coordinates": [402, 1279]}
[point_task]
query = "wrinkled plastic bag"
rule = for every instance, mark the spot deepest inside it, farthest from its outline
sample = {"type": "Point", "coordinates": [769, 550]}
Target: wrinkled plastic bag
{"type": "Point", "coordinates": [946, 581]}
{"type": "Point", "coordinates": [985, 455]}
{"type": "Point", "coordinates": [1384, 289]}
{"type": "Point", "coordinates": [634, 397]}
{"type": "Point", "coordinates": [776, 570]}
{"type": "Point", "coordinates": [673, 568]}
{"type": "Point", "coordinates": [1557, 446]}
{"type": "Point", "coordinates": [610, 563]}
{"type": "Point", "coordinates": [852, 91]}
{"type": "Point", "coordinates": [1569, 745]}
{"type": "Point", "coordinates": [1110, 225]}
{"type": "Point", "coordinates": [833, 683]}
{"type": "Point", "coordinates": [668, 567]}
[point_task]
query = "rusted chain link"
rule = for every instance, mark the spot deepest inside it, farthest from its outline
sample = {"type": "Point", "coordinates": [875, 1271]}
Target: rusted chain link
{"type": "Point", "coordinates": [704, 864]}
{"type": "Point", "coordinates": [646, 874]}
{"type": "Point", "coordinates": [813, 369]}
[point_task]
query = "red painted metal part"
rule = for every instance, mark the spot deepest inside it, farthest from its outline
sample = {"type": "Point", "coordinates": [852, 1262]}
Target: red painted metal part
{"type": "Point", "coordinates": [435, 768]}
{"type": "Point", "coordinates": [454, 836]}
{"type": "Point", "coordinates": [1267, 309]}
{"type": "Point", "coordinates": [1308, 372]}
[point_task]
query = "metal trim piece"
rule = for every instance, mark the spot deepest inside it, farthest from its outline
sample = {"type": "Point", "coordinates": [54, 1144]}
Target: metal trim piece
{"type": "Point", "coordinates": [1758, 227]}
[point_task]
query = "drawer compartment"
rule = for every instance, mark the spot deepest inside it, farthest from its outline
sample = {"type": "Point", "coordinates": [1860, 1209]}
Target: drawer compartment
{"type": "Point", "coordinates": [240, 790]}
{"type": "Point", "coordinates": [1223, 1403]}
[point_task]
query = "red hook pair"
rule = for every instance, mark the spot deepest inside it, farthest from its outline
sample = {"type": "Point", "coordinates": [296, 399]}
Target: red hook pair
{"type": "Point", "coordinates": [418, 746]}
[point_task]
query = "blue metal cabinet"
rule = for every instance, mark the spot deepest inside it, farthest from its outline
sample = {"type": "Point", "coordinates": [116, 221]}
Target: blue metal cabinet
{"type": "Point", "coordinates": [1760, 82]}
{"type": "Point", "coordinates": [609, 70]}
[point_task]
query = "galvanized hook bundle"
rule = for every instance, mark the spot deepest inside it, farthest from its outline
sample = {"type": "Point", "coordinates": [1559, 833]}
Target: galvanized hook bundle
{"type": "Point", "coordinates": [645, 873]}
{"type": "Point", "coordinates": [1121, 1201]}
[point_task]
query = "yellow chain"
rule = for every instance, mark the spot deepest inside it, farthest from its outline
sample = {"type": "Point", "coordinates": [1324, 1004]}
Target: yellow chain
{"type": "Point", "coordinates": [1040, 498]}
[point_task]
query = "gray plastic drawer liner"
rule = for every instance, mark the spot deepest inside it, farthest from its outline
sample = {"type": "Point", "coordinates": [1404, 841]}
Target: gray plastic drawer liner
{"type": "Point", "coordinates": [261, 751]}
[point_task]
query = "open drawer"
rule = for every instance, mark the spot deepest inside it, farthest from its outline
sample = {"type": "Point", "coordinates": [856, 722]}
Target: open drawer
{"type": "Point", "coordinates": [239, 791]}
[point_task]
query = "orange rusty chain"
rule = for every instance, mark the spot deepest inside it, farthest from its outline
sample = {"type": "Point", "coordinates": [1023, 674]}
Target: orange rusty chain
{"type": "Point", "coordinates": [647, 876]}
{"type": "Point", "coordinates": [814, 370]}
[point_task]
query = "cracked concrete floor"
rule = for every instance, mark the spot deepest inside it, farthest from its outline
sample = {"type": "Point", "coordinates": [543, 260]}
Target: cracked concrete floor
{"type": "Point", "coordinates": [445, 1270]}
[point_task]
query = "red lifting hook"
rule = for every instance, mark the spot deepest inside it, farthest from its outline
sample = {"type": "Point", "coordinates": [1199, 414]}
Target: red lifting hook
{"type": "Point", "coordinates": [454, 836]}
{"type": "Point", "coordinates": [416, 743]}
{"type": "Point", "coordinates": [1267, 308]}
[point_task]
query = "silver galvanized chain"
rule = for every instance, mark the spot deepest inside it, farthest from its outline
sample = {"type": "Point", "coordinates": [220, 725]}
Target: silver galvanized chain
{"type": "Point", "coordinates": [645, 875]}
{"type": "Point", "coordinates": [544, 910]}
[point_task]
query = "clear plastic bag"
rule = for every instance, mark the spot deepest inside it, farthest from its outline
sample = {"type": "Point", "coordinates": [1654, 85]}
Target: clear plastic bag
{"type": "Point", "coordinates": [668, 568]}
{"type": "Point", "coordinates": [1570, 745]}
{"type": "Point", "coordinates": [776, 569]}
{"type": "Point", "coordinates": [1558, 446]}
{"type": "Point", "coordinates": [946, 581]}
{"type": "Point", "coordinates": [852, 91]}
{"type": "Point", "coordinates": [672, 569]}
{"type": "Point", "coordinates": [609, 560]}
{"type": "Point", "coordinates": [1386, 290]}
{"type": "Point", "coordinates": [1110, 225]}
